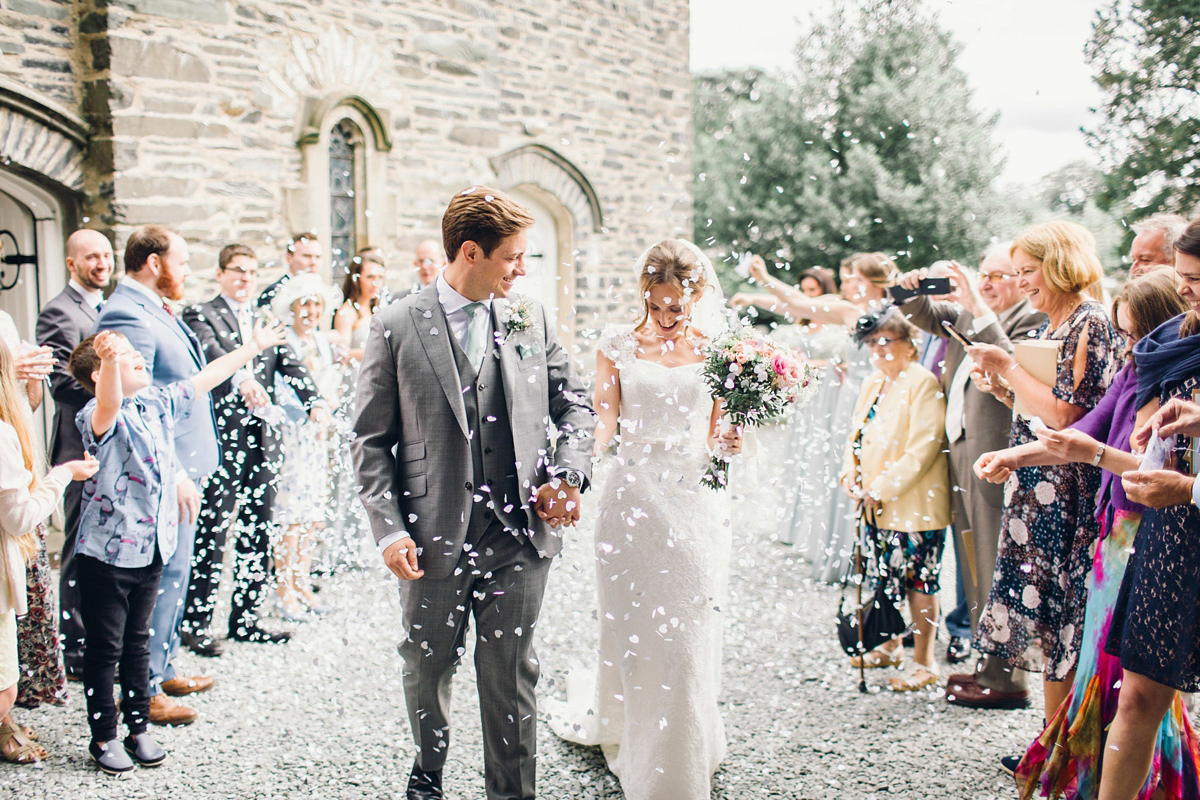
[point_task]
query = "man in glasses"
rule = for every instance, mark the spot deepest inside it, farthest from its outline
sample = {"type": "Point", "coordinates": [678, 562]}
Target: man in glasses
{"type": "Point", "coordinates": [996, 313]}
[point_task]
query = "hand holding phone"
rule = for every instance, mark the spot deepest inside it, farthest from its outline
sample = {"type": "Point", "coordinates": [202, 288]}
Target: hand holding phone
{"type": "Point", "coordinates": [958, 335]}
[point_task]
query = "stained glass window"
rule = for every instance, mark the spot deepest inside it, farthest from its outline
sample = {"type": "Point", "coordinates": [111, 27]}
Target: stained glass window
{"type": "Point", "coordinates": [344, 139]}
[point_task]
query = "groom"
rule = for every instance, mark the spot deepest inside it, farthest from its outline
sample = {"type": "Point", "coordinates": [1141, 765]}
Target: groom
{"type": "Point", "coordinates": [459, 394]}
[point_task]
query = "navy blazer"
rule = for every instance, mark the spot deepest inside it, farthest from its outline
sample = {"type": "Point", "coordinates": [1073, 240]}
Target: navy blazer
{"type": "Point", "coordinates": [63, 323]}
{"type": "Point", "coordinates": [172, 353]}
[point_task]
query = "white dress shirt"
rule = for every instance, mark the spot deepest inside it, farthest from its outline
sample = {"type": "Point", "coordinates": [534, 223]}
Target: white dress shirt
{"type": "Point", "coordinates": [93, 296]}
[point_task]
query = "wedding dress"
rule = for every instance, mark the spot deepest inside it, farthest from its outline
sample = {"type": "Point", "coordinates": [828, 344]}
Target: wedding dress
{"type": "Point", "coordinates": [662, 544]}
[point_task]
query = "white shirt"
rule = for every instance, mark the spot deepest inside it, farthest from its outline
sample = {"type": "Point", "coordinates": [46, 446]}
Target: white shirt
{"type": "Point", "coordinates": [244, 314]}
{"type": "Point", "coordinates": [454, 304]}
{"type": "Point", "coordinates": [93, 296]}
{"type": "Point", "coordinates": [144, 289]}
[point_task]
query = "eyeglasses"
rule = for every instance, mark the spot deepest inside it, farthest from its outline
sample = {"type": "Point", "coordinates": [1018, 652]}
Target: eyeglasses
{"type": "Point", "coordinates": [996, 277]}
{"type": "Point", "coordinates": [426, 262]}
{"type": "Point", "coordinates": [240, 271]}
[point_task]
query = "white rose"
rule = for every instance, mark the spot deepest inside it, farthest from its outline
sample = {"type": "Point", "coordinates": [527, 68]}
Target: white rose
{"type": "Point", "coordinates": [1019, 531]}
{"type": "Point", "coordinates": [1001, 634]}
{"type": "Point", "coordinates": [1000, 614]}
{"type": "Point", "coordinates": [1044, 492]}
{"type": "Point", "coordinates": [1030, 597]}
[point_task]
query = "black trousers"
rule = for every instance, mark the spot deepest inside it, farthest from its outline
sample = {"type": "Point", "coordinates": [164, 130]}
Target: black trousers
{"type": "Point", "coordinates": [70, 622]}
{"type": "Point", "coordinates": [244, 482]}
{"type": "Point", "coordinates": [117, 603]}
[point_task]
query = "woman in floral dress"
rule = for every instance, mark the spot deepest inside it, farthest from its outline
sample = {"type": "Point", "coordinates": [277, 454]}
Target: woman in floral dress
{"type": "Point", "coordinates": [1035, 612]}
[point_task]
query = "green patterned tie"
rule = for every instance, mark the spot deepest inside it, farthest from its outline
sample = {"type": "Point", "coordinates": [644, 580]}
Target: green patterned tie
{"type": "Point", "coordinates": [476, 333]}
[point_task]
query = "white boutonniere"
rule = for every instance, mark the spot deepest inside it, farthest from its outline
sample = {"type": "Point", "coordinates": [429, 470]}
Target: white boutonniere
{"type": "Point", "coordinates": [517, 315]}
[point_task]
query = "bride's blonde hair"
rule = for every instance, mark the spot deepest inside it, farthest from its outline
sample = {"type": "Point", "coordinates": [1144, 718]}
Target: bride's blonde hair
{"type": "Point", "coordinates": [12, 412]}
{"type": "Point", "coordinates": [674, 264]}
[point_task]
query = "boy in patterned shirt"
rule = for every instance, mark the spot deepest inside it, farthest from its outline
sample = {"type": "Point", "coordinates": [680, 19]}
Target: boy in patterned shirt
{"type": "Point", "coordinates": [129, 526]}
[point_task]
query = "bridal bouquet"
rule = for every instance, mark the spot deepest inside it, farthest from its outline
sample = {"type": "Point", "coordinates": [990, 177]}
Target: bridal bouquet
{"type": "Point", "coordinates": [755, 380]}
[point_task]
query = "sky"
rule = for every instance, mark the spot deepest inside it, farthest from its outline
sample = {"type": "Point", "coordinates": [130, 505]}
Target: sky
{"type": "Point", "coordinates": [1023, 58]}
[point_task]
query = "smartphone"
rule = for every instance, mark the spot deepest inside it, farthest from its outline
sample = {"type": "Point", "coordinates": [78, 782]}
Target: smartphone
{"type": "Point", "coordinates": [927, 286]}
{"type": "Point", "coordinates": [957, 334]}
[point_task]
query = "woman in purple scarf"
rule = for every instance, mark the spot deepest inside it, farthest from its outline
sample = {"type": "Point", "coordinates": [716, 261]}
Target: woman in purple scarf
{"type": "Point", "coordinates": [1065, 759]}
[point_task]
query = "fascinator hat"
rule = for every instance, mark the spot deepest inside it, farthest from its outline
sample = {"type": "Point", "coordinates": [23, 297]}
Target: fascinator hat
{"type": "Point", "coordinates": [872, 321]}
{"type": "Point", "coordinates": [299, 287]}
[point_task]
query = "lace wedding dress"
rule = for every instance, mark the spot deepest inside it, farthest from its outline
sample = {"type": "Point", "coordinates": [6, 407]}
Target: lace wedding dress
{"type": "Point", "coordinates": [662, 562]}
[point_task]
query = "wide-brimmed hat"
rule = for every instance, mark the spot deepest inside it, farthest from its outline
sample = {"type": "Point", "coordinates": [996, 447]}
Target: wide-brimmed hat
{"type": "Point", "coordinates": [298, 287]}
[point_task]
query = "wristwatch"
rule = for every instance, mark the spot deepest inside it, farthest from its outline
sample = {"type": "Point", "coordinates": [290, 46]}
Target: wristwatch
{"type": "Point", "coordinates": [572, 477]}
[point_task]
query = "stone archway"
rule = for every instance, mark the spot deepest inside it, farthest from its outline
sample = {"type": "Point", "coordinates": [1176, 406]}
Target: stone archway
{"type": "Point", "coordinates": [562, 192]}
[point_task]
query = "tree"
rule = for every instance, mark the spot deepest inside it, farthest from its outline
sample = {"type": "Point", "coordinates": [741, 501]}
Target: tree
{"type": "Point", "coordinates": [1146, 54]}
{"type": "Point", "coordinates": [870, 144]}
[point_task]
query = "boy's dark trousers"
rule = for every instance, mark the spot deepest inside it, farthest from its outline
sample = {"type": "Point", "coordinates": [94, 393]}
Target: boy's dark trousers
{"type": "Point", "coordinates": [117, 603]}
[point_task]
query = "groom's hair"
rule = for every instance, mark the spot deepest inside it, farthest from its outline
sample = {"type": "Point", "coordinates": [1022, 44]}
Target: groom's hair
{"type": "Point", "coordinates": [484, 216]}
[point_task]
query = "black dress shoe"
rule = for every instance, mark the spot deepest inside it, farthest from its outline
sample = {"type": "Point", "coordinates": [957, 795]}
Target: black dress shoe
{"type": "Point", "coordinates": [425, 785]}
{"type": "Point", "coordinates": [202, 644]}
{"type": "Point", "coordinates": [1009, 764]}
{"type": "Point", "coordinates": [958, 650]}
{"type": "Point", "coordinates": [253, 633]}
{"type": "Point", "coordinates": [144, 750]}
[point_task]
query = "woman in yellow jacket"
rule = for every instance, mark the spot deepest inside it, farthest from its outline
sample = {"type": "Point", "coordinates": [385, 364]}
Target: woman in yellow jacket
{"type": "Point", "coordinates": [895, 467]}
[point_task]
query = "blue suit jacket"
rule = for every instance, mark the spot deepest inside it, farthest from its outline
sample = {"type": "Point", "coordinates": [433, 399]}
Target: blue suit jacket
{"type": "Point", "coordinates": [172, 353]}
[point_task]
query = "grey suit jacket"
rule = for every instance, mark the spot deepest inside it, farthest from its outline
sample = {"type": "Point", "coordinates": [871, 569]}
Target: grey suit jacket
{"type": "Point", "coordinates": [411, 446]}
{"type": "Point", "coordinates": [63, 323]}
{"type": "Point", "coordinates": [988, 420]}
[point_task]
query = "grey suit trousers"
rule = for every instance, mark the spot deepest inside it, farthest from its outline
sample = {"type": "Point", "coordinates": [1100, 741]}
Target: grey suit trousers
{"type": "Point", "coordinates": [501, 581]}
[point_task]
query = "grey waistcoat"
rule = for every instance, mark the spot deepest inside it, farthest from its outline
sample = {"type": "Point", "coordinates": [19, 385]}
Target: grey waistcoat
{"type": "Point", "coordinates": [493, 459]}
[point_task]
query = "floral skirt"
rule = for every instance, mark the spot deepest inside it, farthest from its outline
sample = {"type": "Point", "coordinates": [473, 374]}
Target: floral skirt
{"type": "Point", "coordinates": [1065, 760]}
{"type": "Point", "coordinates": [905, 560]}
{"type": "Point", "coordinates": [43, 678]}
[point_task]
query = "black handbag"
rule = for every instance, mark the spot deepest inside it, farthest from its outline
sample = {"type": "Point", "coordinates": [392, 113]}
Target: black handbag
{"type": "Point", "coordinates": [881, 620]}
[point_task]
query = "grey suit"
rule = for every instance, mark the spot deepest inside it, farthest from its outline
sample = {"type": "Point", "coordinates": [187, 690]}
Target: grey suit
{"type": "Point", "coordinates": [452, 459]}
{"type": "Point", "coordinates": [976, 504]}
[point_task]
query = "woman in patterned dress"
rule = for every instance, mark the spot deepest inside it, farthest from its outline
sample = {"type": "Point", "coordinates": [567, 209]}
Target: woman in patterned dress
{"type": "Point", "coordinates": [1035, 612]}
{"type": "Point", "coordinates": [1155, 629]}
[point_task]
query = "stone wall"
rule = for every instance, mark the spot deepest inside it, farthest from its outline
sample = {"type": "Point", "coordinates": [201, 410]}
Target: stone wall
{"type": "Point", "coordinates": [197, 109]}
{"type": "Point", "coordinates": [37, 47]}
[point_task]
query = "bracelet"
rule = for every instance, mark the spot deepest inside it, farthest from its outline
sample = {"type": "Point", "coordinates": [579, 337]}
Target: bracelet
{"type": "Point", "coordinates": [1099, 456]}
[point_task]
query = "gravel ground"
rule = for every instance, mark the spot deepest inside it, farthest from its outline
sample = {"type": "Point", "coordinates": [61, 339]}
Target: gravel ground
{"type": "Point", "coordinates": [321, 717]}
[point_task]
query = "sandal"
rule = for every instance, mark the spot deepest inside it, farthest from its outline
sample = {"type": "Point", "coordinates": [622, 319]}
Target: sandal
{"type": "Point", "coordinates": [26, 752]}
{"type": "Point", "coordinates": [879, 658]}
{"type": "Point", "coordinates": [916, 678]}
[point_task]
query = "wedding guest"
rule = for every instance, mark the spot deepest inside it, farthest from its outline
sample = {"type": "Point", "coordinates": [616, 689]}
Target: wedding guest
{"type": "Point", "coordinates": [1034, 616]}
{"type": "Point", "coordinates": [895, 470]}
{"type": "Point", "coordinates": [43, 678]}
{"type": "Point", "coordinates": [130, 527]}
{"type": "Point", "coordinates": [156, 267]}
{"type": "Point", "coordinates": [64, 322]}
{"type": "Point", "coordinates": [428, 262]}
{"type": "Point", "coordinates": [1153, 246]}
{"type": "Point", "coordinates": [1069, 750]}
{"type": "Point", "coordinates": [362, 290]}
{"type": "Point", "coordinates": [246, 479]}
{"type": "Point", "coordinates": [303, 255]}
{"type": "Point", "coordinates": [994, 312]}
{"type": "Point", "coordinates": [302, 500]}
{"type": "Point", "coordinates": [1154, 631]}
{"type": "Point", "coordinates": [821, 520]}
{"type": "Point", "coordinates": [25, 502]}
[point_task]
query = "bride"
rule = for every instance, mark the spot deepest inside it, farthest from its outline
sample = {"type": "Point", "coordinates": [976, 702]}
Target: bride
{"type": "Point", "coordinates": [662, 541]}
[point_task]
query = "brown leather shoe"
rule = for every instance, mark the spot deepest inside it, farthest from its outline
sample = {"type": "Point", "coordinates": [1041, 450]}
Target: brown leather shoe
{"type": "Point", "coordinates": [973, 695]}
{"type": "Point", "coordinates": [165, 711]}
{"type": "Point", "coordinates": [959, 679]}
{"type": "Point", "coordinates": [178, 687]}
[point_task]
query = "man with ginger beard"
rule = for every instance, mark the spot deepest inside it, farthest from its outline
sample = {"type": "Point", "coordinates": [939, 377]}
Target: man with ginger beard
{"type": "Point", "coordinates": [64, 322]}
{"type": "Point", "coordinates": [156, 265]}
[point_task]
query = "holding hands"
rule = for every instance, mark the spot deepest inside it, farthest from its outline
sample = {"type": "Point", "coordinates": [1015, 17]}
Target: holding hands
{"type": "Point", "coordinates": [557, 503]}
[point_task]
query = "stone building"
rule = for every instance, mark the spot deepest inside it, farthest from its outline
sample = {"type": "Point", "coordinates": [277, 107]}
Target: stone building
{"type": "Point", "coordinates": [245, 120]}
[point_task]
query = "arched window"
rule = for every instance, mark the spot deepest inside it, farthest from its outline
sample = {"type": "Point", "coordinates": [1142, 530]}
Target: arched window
{"type": "Point", "coordinates": [345, 140]}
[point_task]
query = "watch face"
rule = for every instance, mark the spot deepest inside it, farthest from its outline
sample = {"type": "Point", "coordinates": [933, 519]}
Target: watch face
{"type": "Point", "coordinates": [573, 479]}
